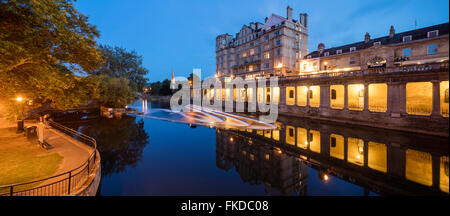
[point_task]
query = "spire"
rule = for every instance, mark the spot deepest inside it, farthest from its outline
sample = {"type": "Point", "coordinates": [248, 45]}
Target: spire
{"type": "Point", "coordinates": [172, 80]}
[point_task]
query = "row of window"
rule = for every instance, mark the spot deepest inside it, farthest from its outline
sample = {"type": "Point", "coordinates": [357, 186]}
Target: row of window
{"type": "Point", "coordinates": [432, 49]}
{"type": "Point", "coordinates": [419, 97]}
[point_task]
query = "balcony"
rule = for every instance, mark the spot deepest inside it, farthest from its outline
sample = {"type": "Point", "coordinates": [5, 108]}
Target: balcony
{"type": "Point", "coordinates": [434, 67]}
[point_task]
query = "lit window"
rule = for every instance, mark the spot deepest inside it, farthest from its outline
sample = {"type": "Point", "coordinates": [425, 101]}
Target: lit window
{"type": "Point", "coordinates": [352, 49]}
{"type": "Point", "coordinates": [407, 38]}
{"type": "Point", "coordinates": [432, 49]}
{"type": "Point", "coordinates": [407, 52]}
{"type": "Point", "coordinates": [339, 52]}
{"type": "Point", "coordinates": [432, 34]}
{"type": "Point", "coordinates": [267, 55]}
{"type": "Point", "coordinates": [352, 60]}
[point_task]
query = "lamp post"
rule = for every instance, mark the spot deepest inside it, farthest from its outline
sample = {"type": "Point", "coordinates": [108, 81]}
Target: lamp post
{"type": "Point", "coordinates": [20, 123]}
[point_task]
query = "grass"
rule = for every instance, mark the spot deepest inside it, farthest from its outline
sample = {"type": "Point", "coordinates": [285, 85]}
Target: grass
{"type": "Point", "coordinates": [23, 160]}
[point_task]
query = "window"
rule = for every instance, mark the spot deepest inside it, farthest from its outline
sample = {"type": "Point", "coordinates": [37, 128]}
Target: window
{"type": "Point", "coordinates": [432, 49]}
{"type": "Point", "coordinates": [339, 51]}
{"type": "Point", "coordinates": [407, 52]}
{"type": "Point", "coordinates": [252, 44]}
{"type": "Point", "coordinates": [278, 52]}
{"type": "Point", "coordinates": [267, 55]}
{"type": "Point", "coordinates": [352, 49]}
{"type": "Point", "coordinates": [266, 65]}
{"type": "Point", "coordinates": [352, 60]}
{"type": "Point", "coordinates": [377, 43]}
{"type": "Point", "coordinates": [277, 33]}
{"type": "Point", "coordinates": [278, 42]}
{"type": "Point", "coordinates": [432, 34]}
{"type": "Point", "coordinates": [333, 94]}
{"type": "Point", "coordinates": [266, 37]}
{"type": "Point", "coordinates": [407, 38]}
{"type": "Point", "coordinates": [308, 57]}
{"type": "Point", "coordinates": [326, 54]}
{"type": "Point", "coordinates": [252, 51]}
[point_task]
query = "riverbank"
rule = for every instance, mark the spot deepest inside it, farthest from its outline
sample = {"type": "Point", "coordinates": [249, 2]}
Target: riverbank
{"type": "Point", "coordinates": [24, 160]}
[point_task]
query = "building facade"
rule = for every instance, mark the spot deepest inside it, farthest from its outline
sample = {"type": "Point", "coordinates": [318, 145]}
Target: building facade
{"type": "Point", "coordinates": [399, 81]}
{"type": "Point", "coordinates": [274, 48]}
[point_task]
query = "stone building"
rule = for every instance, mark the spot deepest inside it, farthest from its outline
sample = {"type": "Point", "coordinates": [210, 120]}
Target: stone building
{"type": "Point", "coordinates": [399, 81]}
{"type": "Point", "coordinates": [274, 48]}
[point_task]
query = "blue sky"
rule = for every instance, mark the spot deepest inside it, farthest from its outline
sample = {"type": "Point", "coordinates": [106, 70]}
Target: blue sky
{"type": "Point", "coordinates": [181, 34]}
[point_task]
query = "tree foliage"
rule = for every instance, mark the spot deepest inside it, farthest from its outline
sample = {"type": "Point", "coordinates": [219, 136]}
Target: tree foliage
{"type": "Point", "coordinates": [115, 92]}
{"type": "Point", "coordinates": [161, 88]}
{"type": "Point", "coordinates": [45, 45]}
{"type": "Point", "coordinates": [121, 63]}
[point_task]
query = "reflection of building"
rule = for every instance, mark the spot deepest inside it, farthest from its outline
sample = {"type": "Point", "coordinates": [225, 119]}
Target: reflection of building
{"type": "Point", "coordinates": [272, 48]}
{"type": "Point", "coordinates": [258, 163]}
{"type": "Point", "coordinates": [386, 162]}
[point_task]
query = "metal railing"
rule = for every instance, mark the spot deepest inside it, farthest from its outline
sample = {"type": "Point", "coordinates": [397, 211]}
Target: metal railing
{"type": "Point", "coordinates": [62, 184]}
{"type": "Point", "coordinates": [429, 67]}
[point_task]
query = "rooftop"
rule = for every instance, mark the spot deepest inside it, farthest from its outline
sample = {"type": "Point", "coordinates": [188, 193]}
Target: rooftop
{"type": "Point", "coordinates": [416, 34]}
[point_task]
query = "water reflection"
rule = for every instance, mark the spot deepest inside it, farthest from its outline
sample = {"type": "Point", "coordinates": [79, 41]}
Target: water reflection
{"type": "Point", "coordinates": [120, 141]}
{"type": "Point", "coordinates": [385, 162]}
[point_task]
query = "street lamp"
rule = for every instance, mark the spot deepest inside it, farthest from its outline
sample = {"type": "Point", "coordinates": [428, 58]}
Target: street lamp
{"type": "Point", "coordinates": [20, 123]}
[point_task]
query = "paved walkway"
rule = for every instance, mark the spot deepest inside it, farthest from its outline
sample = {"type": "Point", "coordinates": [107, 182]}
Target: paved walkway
{"type": "Point", "coordinates": [74, 153]}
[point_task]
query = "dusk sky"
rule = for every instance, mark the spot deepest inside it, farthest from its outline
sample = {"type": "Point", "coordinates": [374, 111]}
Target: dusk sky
{"type": "Point", "coordinates": [181, 34]}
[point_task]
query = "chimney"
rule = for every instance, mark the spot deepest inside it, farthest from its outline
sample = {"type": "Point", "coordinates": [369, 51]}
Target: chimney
{"type": "Point", "coordinates": [304, 19]}
{"type": "Point", "coordinates": [391, 32]}
{"type": "Point", "coordinates": [320, 47]}
{"type": "Point", "coordinates": [265, 21]}
{"type": "Point", "coordinates": [289, 13]}
{"type": "Point", "coordinates": [367, 37]}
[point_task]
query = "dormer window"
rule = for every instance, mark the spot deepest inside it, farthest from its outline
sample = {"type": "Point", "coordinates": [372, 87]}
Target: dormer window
{"type": "Point", "coordinates": [326, 54]}
{"type": "Point", "coordinates": [407, 38]}
{"type": "Point", "coordinates": [432, 34]}
{"type": "Point", "coordinates": [339, 51]}
{"type": "Point", "coordinates": [308, 57]}
{"type": "Point", "coordinates": [352, 49]}
{"type": "Point", "coordinates": [377, 43]}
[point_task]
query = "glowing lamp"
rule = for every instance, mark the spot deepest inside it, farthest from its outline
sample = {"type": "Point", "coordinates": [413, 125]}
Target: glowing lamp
{"type": "Point", "coordinates": [19, 99]}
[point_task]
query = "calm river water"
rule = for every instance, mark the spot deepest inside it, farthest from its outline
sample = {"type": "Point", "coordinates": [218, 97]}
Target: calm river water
{"type": "Point", "coordinates": [147, 156]}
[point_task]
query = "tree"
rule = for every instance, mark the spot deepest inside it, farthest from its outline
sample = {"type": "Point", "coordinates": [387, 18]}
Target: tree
{"type": "Point", "coordinates": [115, 92]}
{"type": "Point", "coordinates": [44, 48]}
{"type": "Point", "coordinates": [121, 63]}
